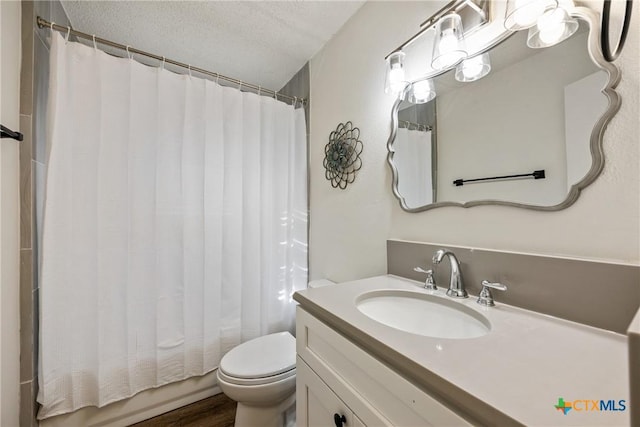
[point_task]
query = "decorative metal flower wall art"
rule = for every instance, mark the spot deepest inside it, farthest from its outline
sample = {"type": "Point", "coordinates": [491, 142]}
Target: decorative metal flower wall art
{"type": "Point", "coordinates": [342, 155]}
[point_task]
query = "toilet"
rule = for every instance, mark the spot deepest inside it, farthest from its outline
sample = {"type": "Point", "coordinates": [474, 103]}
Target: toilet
{"type": "Point", "coordinates": [260, 374]}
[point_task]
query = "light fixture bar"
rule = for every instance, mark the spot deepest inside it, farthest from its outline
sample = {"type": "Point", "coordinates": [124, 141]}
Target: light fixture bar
{"type": "Point", "coordinates": [474, 13]}
{"type": "Point", "coordinates": [479, 7]}
{"type": "Point", "coordinates": [482, 10]}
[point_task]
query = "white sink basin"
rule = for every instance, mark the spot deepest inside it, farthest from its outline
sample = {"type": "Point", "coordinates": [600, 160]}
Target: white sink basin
{"type": "Point", "coordinates": [423, 314]}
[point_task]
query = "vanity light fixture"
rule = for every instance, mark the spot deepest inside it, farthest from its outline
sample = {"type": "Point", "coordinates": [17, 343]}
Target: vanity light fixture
{"type": "Point", "coordinates": [395, 80]}
{"type": "Point", "coordinates": [553, 27]}
{"type": "Point", "coordinates": [548, 21]}
{"type": "Point", "coordinates": [422, 91]}
{"type": "Point", "coordinates": [523, 14]}
{"type": "Point", "coordinates": [448, 47]}
{"type": "Point", "coordinates": [473, 69]}
{"type": "Point", "coordinates": [451, 23]}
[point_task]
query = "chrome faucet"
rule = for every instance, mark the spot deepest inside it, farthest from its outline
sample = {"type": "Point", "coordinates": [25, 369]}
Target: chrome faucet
{"type": "Point", "coordinates": [456, 285]}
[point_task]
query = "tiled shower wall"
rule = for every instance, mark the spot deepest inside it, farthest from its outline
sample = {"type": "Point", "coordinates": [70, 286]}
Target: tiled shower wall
{"type": "Point", "coordinates": [33, 102]}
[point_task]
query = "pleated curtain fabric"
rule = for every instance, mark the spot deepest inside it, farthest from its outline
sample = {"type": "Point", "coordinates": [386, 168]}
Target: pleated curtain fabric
{"type": "Point", "coordinates": [175, 226]}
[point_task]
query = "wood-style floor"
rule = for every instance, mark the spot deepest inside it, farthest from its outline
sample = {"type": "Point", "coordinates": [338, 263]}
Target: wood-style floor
{"type": "Point", "coordinates": [216, 411]}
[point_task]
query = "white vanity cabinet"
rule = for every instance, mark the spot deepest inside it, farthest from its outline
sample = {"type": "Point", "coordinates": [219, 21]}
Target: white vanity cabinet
{"type": "Point", "coordinates": [336, 378]}
{"type": "Point", "coordinates": [320, 406]}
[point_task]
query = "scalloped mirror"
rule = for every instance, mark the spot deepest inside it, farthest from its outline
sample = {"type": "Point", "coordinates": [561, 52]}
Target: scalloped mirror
{"type": "Point", "coordinates": [528, 134]}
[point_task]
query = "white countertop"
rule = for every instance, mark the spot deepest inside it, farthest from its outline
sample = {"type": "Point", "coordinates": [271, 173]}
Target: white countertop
{"type": "Point", "coordinates": [521, 367]}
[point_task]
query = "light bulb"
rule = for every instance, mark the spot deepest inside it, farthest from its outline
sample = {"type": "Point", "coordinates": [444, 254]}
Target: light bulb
{"type": "Point", "coordinates": [551, 26]}
{"type": "Point", "coordinates": [472, 67]}
{"type": "Point", "coordinates": [396, 78]}
{"type": "Point", "coordinates": [522, 14]}
{"type": "Point", "coordinates": [422, 91]}
{"type": "Point", "coordinates": [448, 41]}
{"type": "Point", "coordinates": [449, 49]}
{"type": "Point", "coordinates": [527, 12]}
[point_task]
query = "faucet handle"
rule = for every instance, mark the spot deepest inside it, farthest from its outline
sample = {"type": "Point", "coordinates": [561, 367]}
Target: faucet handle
{"type": "Point", "coordinates": [429, 283]}
{"type": "Point", "coordinates": [486, 298]}
{"type": "Point", "coordinates": [494, 285]}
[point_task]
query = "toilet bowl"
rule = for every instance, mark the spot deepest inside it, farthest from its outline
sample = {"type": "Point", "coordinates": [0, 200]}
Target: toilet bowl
{"type": "Point", "coordinates": [260, 375]}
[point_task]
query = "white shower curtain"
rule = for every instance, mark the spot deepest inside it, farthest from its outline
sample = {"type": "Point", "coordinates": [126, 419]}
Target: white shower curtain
{"type": "Point", "coordinates": [175, 226]}
{"type": "Point", "coordinates": [413, 159]}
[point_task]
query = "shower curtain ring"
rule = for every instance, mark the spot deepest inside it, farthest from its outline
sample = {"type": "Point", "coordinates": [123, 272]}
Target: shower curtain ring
{"type": "Point", "coordinates": [190, 71]}
{"type": "Point", "coordinates": [129, 53]}
{"type": "Point", "coordinates": [217, 78]}
{"type": "Point", "coordinates": [66, 39]}
{"type": "Point", "coordinates": [275, 95]}
{"type": "Point", "coordinates": [240, 86]}
{"type": "Point", "coordinates": [95, 46]}
{"type": "Point", "coordinates": [52, 24]}
{"type": "Point", "coordinates": [259, 90]}
{"type": "Point", "coordinates": [295, 101]}
{"type": "Point", "coordinates": [163, 60]}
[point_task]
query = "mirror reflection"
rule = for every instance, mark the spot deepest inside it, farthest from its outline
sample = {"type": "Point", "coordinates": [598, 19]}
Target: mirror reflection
{"type": "Point", "coordinates": [535, 111]}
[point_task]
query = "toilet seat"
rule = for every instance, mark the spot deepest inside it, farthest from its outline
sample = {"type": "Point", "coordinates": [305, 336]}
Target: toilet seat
{"type": "Point", "coordinates": [256, 381]}
{"type": "Point", "coordinates": [262, 360]}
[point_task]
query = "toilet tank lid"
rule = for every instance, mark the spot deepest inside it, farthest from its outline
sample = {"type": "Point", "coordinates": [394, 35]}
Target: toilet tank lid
{"type": "Point", "coordinates": [319, 283]}
{"type": "Point", "coordinates": [261, 357]}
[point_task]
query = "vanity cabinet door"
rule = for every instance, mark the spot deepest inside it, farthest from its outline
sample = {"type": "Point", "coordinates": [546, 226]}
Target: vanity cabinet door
{"type": "Point", "coordinates": [316, 404]}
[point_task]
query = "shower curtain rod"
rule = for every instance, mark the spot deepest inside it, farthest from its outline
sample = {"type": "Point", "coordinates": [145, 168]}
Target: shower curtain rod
{"type": "Point", "coordinates": [43, 23]}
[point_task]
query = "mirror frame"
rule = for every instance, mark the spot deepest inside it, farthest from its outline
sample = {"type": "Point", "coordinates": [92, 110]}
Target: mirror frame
{"type": "Point", "coordinates": [596, 147]}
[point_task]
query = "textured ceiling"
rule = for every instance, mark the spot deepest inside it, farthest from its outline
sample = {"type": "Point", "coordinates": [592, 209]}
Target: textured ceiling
{"type": "Point", "coordinates": [259, 42]}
